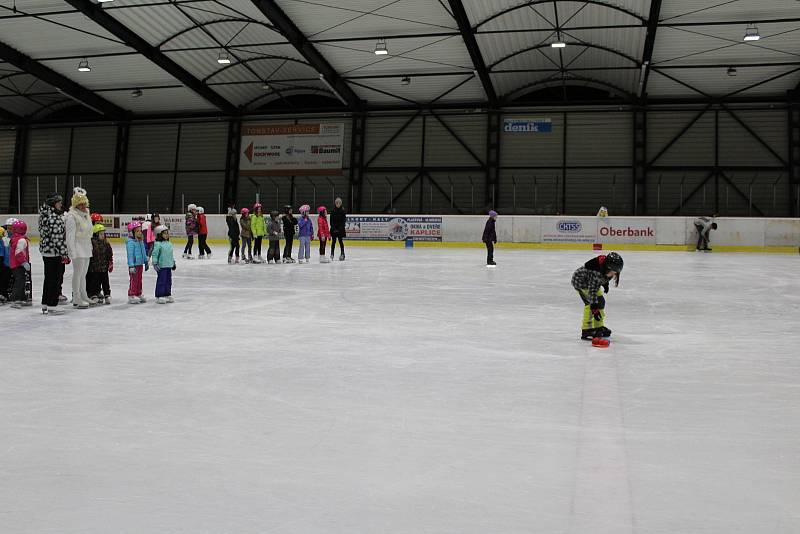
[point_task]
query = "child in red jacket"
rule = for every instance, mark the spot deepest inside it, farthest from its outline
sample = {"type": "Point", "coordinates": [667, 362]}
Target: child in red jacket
{"type": "Point", "coordinates": [323, 232]}
{"type": "Point", "coordinates": [19, 252]}
{"type": "Point", "coordinates": [205, 250]}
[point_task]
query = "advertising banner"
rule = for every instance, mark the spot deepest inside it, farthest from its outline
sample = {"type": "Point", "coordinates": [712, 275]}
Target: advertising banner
{"type": "Point", "coordinates": [528, 125]}
{"type": "Point", "coordinates": [623, 230]}
{"type": "Point", "coordinates": [569, 229]}
{"type": "Point", "coordinates": [377, 228]}
{"type": "Point", "coordinates": [291, 149]}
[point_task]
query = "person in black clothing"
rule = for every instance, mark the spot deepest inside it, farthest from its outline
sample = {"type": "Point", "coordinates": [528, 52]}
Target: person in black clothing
{"type": "Point", "coordinates": [338, 222]}
{"type": "Point", "coordinates": [233, 235]}
{"type": "Point", "coordinates": [289, 223]}
{"type": "Point", "coordinates": [490, 237]}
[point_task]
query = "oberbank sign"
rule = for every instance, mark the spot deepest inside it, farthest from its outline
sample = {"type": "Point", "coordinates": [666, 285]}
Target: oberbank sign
{"type": "Point", "coordinates": [627, 230]}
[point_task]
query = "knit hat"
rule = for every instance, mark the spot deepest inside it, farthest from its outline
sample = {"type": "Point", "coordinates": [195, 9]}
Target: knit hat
{"type": "Point", "coordinates": [160, 228]}
{"type": "Point", "coordinates": [492, 213]}
{"type": "Point", "coordinates": [79, 197]}
{"type": "Point", "coordinates": [53, 198]}
{"type": "Point", "coordinates": [98, 228]}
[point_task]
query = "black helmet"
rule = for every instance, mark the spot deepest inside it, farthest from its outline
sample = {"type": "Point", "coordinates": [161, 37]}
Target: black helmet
{"type": "Point", "coordinates": [614, 262]}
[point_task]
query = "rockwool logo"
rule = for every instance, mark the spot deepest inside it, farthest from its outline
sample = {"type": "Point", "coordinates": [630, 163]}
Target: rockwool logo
{"type": "Point", "coordinates": [572, 227]}
{"type": "Point", "coordinates": [610, 231]}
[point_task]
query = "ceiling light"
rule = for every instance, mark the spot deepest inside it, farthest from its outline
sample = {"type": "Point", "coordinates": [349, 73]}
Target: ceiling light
{"type": "Point", "coordinates": [751, 33]}
{"type": "Point", "coordinates": [558, 44]}
{"type": "Point", "coordinates": [104, 1]}
{"type": "Point", "coordinates": [732, 71]}
{"type": "Point", "coordinates": [405, 80]}
{"type": "Point", "coordinates": [136, 93]}
{"type": "Point", "coordinates": [83, 66]}
{"type": "Point", "coordinates": [381, 49]}
{"type": "Point", "coordinates": [223, 58]}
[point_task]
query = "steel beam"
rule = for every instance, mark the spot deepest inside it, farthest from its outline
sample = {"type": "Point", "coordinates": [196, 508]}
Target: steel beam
{"type": "Point", "coordinates": [494, 129]}
{"type": "Point", "coordinates": [62, 83]}
{"type": "Point", "coordinates": [468, 35]}
{"type": "Point", "coordinates": [120, 168]}
{"type": "Point", "coordinates": [296, 38]}
{"type": "Point", "coordinates": [357, 147]}
{"type": "Point", "coordinates": [18, 167]}
{"type": "Point", "coordinates": [232, 155]}
{"type": "Point", "coordinates": [130, 38]}
{"type": "Point", "coordinates": [649, 45]}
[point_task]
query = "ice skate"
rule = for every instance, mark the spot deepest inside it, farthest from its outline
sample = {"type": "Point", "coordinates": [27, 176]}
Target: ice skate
{"type": "Point", "coordinates": [236, 260]}
{"type": "Point", "coordinates": [107, 300]}
{"type": "Point", "coordinates": [94, 301]}
{"type": "Point", "coordinates": [602, 332]}
{"type": "Point", "coordinates": [324, 259]}
{"type": "Point", "coordinates": [208, 255]}
{"type": "Point", "coordinates": [170, 300]}
{"type": "Point", "coordinates": [332, 255]}
{"type": "Point", "coordinates": [133, 300]}
{"type": "Point", "coordinates": [230, 260]}
{"type": "Point", "coordinates": [189, 256]}
{"type": "Point", "coordinates": [52, 310]}
{"type": "Point", "coordinates": [184, 255]}
{"type": "Point", "coordinates": [201, 257]}
{"type": "Point", "coordinates": [491, 264]}
{"type": "Point", "coordinates": [62, 299]}
{"type": "Point", "coordinates": [588, 333]}
{"type": "Point", "coordinates": [16, 305]}
{"type": "Point", "coordinates": [3, 300]}
{"type": "Point", "coordinates": [142, 299]}
{"type": "Point", "coordinates": [161, 300]}
{"type": "Point", "coordinates": [81, 305]}
{"type": "Point", "coordinates": [341, 256]}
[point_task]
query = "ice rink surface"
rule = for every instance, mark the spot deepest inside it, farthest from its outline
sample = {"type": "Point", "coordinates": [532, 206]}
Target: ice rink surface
{"type": "Point", "coordinates": [410, 391]}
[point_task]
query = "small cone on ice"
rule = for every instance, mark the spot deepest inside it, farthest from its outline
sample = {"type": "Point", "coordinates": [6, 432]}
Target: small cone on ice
{"type": "Point", "coordinates": [600, 342]}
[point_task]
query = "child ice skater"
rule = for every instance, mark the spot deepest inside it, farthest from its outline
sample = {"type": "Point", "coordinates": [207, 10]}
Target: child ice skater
{"type": "Point", "coordinates": [137, 261]}
{"type": "Point", "coordinates": [306, 234]}
{"type": "Point", "coordinates": [149, 231]}
{"type": "Point", "coordinates": [233, 235]}
{"type": "Point", "coordinates": [289, 222]}
{"type": "Point", "coordinates": [274, 229]}
{"type": "Point", "coordinates": [323, 232]}
{"type": "Point", "coordinates": [259, 227]}
{"type": "Point", "coordinates": [490, 238]}
{"type": "Point", "coordinates": [192, 229]}
{"type": "Point", "coordinates": [202, 224]}
{"type": "Point", "coordinates": [590, 281]}
{"type": "Point", "coordinates": [100, 264]}
{"type": "Point", "coordinates": [704, 225]}
{"type": "Point", "coordinates": [5, 270]}
{"type": "Point", "coordinates": [245, 222]}
{"type": "Point", "coordinates": [20, 262]}
{"type": "Point", "coordinates": [338, 228]}
{"type": "Point", "coordinates": [164, 264]}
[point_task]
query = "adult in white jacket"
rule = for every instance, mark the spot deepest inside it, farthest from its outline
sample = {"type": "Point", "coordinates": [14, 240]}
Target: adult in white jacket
{"type": "Point", "coordinates": [79, 245]}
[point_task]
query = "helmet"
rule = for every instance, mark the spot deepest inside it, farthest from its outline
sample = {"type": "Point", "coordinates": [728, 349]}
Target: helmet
{"type": "Point", "coordinates": [245, 211]}
{"type": "Point", "coordinates": [19, 227]}
{"type": "Point", "coordinates": [133, 225]}
{"type": "Point", "coordinates": [98, 228]}
{"type": "Point", "coordinates": [2, 231]}
{"type": "Point", "coordinates": [257, 205]}
{"type": "Point", "coordinates": [200, 209]}
{"type": "Point", "coordinates": [192, 207]}
{"type": "Point", "coordinates": [10, 221]}
{"type": "Point", "coordinates": [287, 208]}
{"type": "Point", "coordinates": [53, 199]}
{"type": "Point", "coordinates": [305, 208]}
{"type": "Point", "coordinates": [96, 217]}
{"type": "Point", "coordinates": [321, 209]}
{"type": "Point", "coordinates": [492, 213]}
{"type": "Point", "coordinates": [160, 228]}
{"type": "Point", "coordinates": [614, 262]}
{"type": "Point", "coordinates": [274, 214]}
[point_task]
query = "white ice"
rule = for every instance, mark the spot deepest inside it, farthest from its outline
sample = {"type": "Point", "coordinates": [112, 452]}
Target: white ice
{"type": "Point", "coordinates": [410, 391]}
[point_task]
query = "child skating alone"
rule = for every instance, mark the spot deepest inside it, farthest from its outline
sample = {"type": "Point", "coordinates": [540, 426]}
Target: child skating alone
{"type": "Point", "coordinates": [306, 226]}
{"type": "Point", "coordinates": [490, 238]}
{"type": "Point", "coordinates": [164, 264]}
{"type": "Point", "coordinates": [100, 264]}
{"type": "Point", "coordinates": [137, 261]}
{"type": "Point", "coordinates": [233, 235]}
{"type": "Point", "coordinates": [590, 281]}
{"type": "Point", "coordinates": [323, 232]}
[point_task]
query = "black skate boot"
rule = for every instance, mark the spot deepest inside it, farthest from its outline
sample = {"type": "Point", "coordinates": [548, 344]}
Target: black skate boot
{"type": "Point", "coordinates": [588, 333]}
{"type": "Point", "coordinates": [603, 332]}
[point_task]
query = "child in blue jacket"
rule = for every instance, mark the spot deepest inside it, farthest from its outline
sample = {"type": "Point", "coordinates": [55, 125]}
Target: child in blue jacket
{"type": "Point", "coordinates": [306, 234]}
{"type": "Point", "coordinates": [5, 262]}
{"type": "Point", "coordinates": [164, 264]}
{"type": "Point", "coordinates": [137, 262]}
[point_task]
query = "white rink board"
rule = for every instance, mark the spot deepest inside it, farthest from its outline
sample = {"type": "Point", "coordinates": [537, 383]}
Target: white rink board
{"type": "Point", "coordinates": [406, 391]}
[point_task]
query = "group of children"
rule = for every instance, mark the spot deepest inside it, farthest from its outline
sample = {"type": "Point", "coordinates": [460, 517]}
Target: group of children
{"type": "Point", "coordinates": [251, 229]}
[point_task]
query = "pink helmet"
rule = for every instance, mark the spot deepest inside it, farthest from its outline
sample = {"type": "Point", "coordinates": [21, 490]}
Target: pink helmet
{"type": "Point", "coordinates": [133, 225]}
{"type": "Point", "coordinates": [321, 209]}
{"type": "Point", "coordinates": [19, 227]}
{"type": "Point", "coordinates": [245, 211]}
{"type": "Point", "coordinates": [305, 208]}
{"type": "Point", "coordinates": [256, 206]}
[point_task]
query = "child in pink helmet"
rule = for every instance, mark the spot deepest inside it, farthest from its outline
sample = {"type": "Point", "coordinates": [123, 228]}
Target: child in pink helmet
{"type": "Point", "coordinates": [20, 261]}
{"type": "Point", "coordinates": [323, 232]}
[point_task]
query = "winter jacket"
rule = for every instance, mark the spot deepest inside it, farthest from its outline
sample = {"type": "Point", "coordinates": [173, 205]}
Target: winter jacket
{"type": "Point", "coordinates": [79, 234]}
{"type": "Point", "coordinates": [192, 227]}
{"type": "Point", "coordinates": [338, 222]}
{"type": "Point", "coordinates": [289, 222]}
{"type": "Point", "coordinates": [704, 224]}
{"type": "Point", "coordinates": [489, 233]}
{"type": "Point", "coordinates": [589, 280]}
{"type": "Point", "coordinates": [162, 255]}
{"type": "Point", "coordinates": [245, 223]}
{"type": "Point", "coordinates": [306, 227]}
{"type": "Point", "coordinates": [102, 256]}
{"type": "Point", "coordinates": [137, 253]}
{"type": "Point", "coordinates": [323, 231]}
{"type": "Point", "coordinates": [274, 227]}
{"type": "Point", "coordinates": [52, 232]}
{"type": "Point", "coordinates": [258, 225]}
{"type": "Point", "coordinates": [203, 223]}
{"type": "Point", "coordinates": [5, 251]}
{"type": "Point", "coordinates": [19, 252]}
{"type": "Point", "coordinates": [233, 227]}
